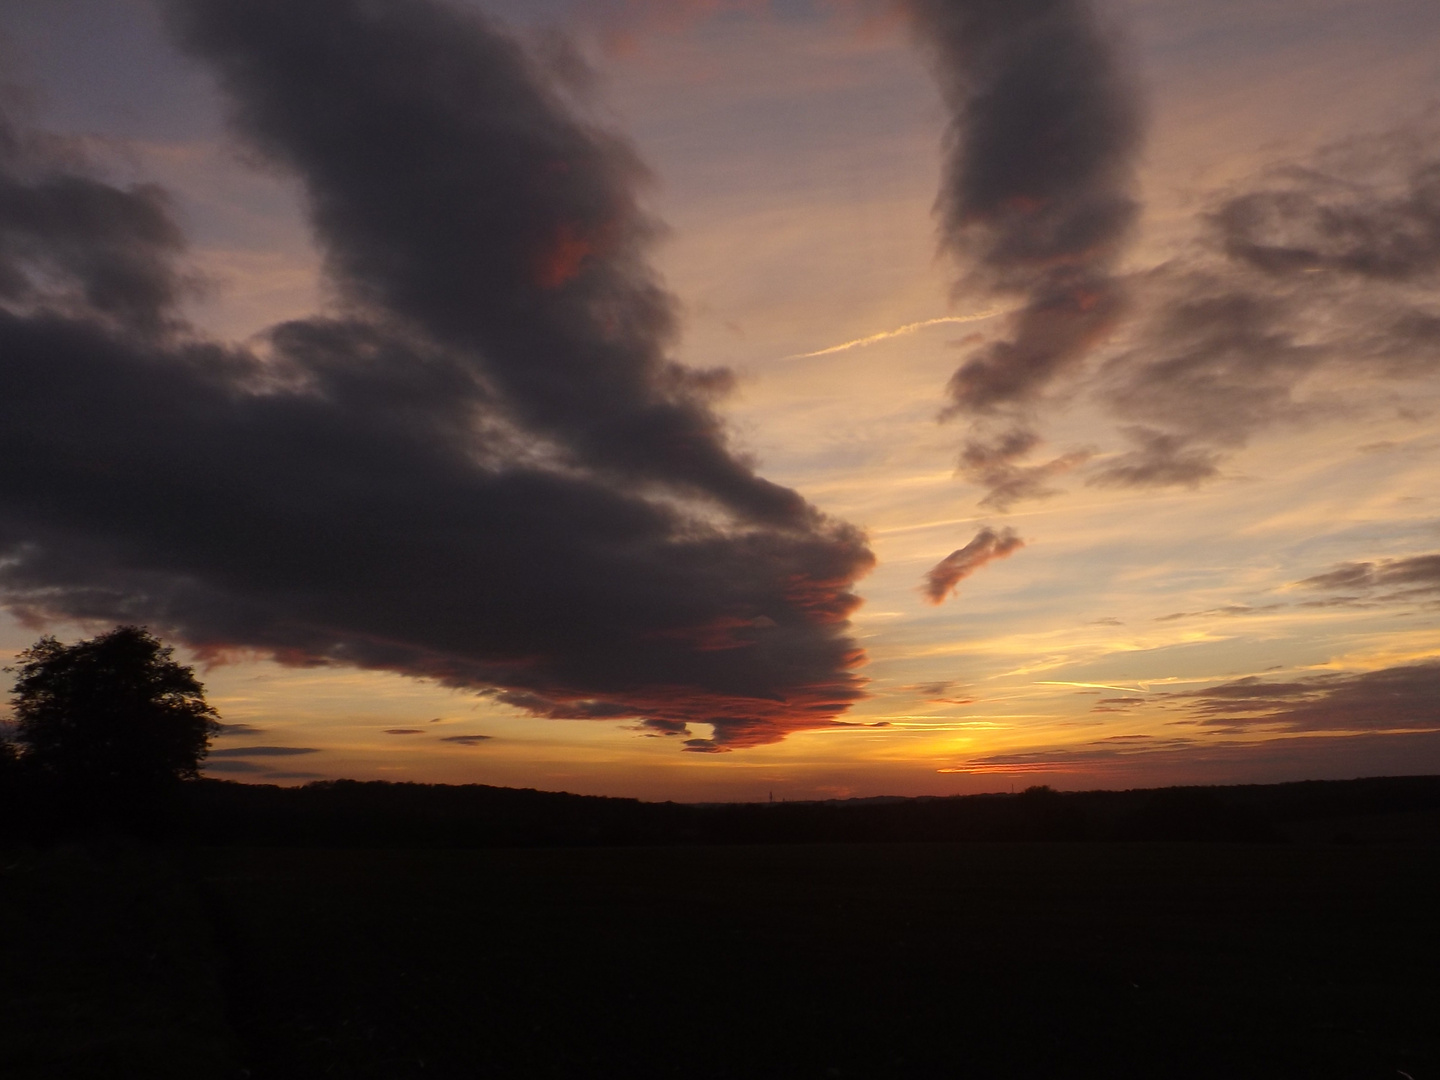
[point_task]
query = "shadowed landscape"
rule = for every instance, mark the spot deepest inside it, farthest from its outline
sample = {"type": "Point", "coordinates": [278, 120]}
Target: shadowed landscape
{"type": "Point", "coordinates": [585, 394]}
{"type": "Point", "coordinates": [1283, 930]}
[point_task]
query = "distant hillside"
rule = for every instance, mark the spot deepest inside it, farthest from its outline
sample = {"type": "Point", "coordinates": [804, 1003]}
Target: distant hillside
{"type": "Point", "coordinates": [353, 813]}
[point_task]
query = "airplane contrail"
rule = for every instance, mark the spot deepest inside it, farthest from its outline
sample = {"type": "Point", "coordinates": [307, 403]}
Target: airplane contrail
{"type": "Point", "coordinates": [908, 328]}
{"type": "Point", "coordinates": [1096, 686]}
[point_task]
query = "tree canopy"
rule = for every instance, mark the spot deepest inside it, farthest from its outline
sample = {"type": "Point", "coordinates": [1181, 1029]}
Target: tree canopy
{"type": "Point", "coordinates": [114, 714]}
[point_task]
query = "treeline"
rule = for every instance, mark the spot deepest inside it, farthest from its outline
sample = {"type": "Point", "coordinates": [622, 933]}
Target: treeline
{"type": "Point", "coordinates": [382, 814]}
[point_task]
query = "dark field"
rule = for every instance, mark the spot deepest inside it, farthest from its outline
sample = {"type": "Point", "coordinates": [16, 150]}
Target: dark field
{"type": "Point", "coordinates": [883, 960]}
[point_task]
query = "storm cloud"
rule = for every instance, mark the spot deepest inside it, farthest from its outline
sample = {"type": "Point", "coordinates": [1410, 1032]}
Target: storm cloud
{"type": "Point", "coordinates": [987, 546]}
{"type": "Point", "coordinates": [480, 467]}
{"type": "Point", "coordinates": [1036, 199]}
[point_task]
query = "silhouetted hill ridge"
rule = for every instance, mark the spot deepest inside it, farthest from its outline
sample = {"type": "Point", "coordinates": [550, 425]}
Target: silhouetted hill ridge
{"type": "Point", "coordinates": [376, 813]}
{"type": "Point", "coordinates": [381, 813]}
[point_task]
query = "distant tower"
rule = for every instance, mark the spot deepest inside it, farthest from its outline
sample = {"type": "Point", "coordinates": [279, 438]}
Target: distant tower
{"type": "Point", "coordinates": [772, 795]}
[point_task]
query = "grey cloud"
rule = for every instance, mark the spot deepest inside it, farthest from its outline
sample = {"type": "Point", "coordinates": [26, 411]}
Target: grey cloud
{"type": "Point", "coordinates": [1216, 362]}
{"type": "Point", "coordinates": [1223, 761]}
{"type": "Point", "coordinates": [1320, 266]}
{"type": "Point", "coordinates": [987, 546]}
{"type": "Point", "coordinates": [1159, 459]}
{"type": "Point", "coordinates": [1036, 199]}
{"type": "Point", "coordinates": [261, 751]}
{"type": "Point", "coordinates": [1421, 573]}
{"type": "Point", "coordinates": [1396, 698]}
{"type": "Point", "coordinates": [482, 468]}
{"type": "Point", "coordinates": [467, 740]}
{"type": "Point", "coordinates": [995, 465]}
{"type": "Point", "coordinates": [68, 241]}
{"type": "Point", "coordinates": [237, 729]}
{"type": "Point", "coordinates": [472, 205]}
{"type": "Point", "coordinates": [1306, 220]}
{"type": "Point", "coordinates": [404, 731]}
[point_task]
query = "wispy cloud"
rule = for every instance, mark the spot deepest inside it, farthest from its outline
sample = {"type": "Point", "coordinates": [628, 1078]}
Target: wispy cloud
{"type": "Point", "coordinates": [1414, 575]}
{"type": "Point", "coordinates": [466, 740]}
{"type": "Point", "coordinates": [261, 751]}
{"type": "Point", "coordinates": [1405, 698]}
{"type": "Point", "coordinates": [1322, 267]}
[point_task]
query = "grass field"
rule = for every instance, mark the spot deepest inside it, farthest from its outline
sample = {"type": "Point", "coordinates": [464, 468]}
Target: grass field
{"type": "Point", "coordinates": [797, 961]}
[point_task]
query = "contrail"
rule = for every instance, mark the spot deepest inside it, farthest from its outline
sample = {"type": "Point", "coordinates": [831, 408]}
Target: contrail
{"type": "Point", "coordinates": [1096, 686]}
{"type": "Point", "coordinates": [908, 328]}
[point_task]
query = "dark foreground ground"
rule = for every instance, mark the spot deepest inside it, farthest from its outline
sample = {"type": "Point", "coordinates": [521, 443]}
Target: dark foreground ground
{"type": "Point", "coordinates": [859, 960]}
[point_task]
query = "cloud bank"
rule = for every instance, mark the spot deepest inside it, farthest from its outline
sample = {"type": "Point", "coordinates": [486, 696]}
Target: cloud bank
{"type": "Point", "coordinates": [480, 467]}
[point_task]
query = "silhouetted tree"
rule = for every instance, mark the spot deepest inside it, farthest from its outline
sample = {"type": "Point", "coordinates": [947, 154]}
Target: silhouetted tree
{"type": "Point", "coordinates": [9, 762]}
{"type": "Point", "coordinates": [112, 721]}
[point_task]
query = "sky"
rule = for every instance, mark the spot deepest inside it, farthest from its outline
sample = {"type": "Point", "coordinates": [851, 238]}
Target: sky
{"type": "Point", "coordinates": [727, 398]}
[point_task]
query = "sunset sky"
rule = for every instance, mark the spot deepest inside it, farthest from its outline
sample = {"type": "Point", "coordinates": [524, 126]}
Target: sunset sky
{"type": "Point", "coordinates": [699, 400]}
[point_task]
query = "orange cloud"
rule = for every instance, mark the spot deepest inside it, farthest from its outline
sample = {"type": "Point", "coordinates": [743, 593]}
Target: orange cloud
{"type": "Point", "coordinates": [563, 257]}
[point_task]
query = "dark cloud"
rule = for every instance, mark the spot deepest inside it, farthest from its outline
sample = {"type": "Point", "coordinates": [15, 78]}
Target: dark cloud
{"type": "Point", "coordinates": [1036, 199]}
{"type": "Point", "coordinates": [994, 465]}
{"type": "Point", "coordinates": [474, 206]}
{"type": "Point", "coordinates": [238, 729]}
{"type": "Point", "coordinates": [1159, 459]}
{"type": "Point", "coordinates": [261, 751]}
{"type": "Point", "coordinates": [73, 243]}
{"type": "Point", "coordinates": [404, 731]}
{"type": "Point", "coordinates": [1309, 220]}
{"type": "Point", "coordinates": [987, 546]}
{"type": "Point", "coordinates": [658, 729]}
{"type": "Point", "coordinates": [1390, 699]}
{"type": "Point", "coordinates": [1415, 575]}
{"type": "Point", "coordinates": [482, 467]}
{"type": "Point", "coordinates": [467, 740]}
